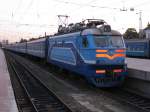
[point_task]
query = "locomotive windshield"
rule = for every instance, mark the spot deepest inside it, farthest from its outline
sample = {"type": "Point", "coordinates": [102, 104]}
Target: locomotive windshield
{"type": "Point", "coordinates": [105, 41]}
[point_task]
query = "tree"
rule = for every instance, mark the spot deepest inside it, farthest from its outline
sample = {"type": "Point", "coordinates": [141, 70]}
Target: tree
{"type": "Point", "coordinates": [23, 40]}
{"type": "Point", "coordinates": [131, 33]}
{"type": "Point", "coordinates": [32, 39]}
{"type": "Point", "coordinates": [148, 26]}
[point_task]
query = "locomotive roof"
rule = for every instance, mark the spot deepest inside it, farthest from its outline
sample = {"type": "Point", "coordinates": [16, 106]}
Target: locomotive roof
{"type": "Point", "coordinates": [96, 31]}
{"type": "Point", "coordinates": [66, 35]}
{"type": "Point", "coordinates": [91, 31]}
{"type": "Point", "coordinates": [136, 40]}
{"type": "Point", "coordinates": [37, 40]}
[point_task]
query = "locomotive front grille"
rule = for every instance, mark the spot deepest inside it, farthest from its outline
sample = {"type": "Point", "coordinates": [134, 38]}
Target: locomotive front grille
{"type": "Point", "coordinates": [108, 67]}
{"type": "Point", "coordinates": [107, 79]}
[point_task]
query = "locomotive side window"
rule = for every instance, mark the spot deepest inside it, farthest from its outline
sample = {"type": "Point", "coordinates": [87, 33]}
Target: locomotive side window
{"type": "Point", "coordinates": [84, 42]}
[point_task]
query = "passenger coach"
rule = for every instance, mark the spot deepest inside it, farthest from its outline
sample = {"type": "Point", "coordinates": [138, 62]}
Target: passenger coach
{"type": "Point", "coordinates": [138, 48]}
{"type": "Point", "coordinates": [37, 48]}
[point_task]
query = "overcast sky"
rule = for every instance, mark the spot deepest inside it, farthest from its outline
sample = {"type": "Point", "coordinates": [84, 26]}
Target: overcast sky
{"type": "Point", "coordinates": [31, 18]}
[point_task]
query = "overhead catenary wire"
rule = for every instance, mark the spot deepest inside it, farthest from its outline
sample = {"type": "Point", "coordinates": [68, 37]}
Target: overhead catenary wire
{"type": "Point", "coordinates": [142, 4]}
{"type": "Point", "coordinates": [23, 8]}
{"type": "Point", "coordinates": [87, 5]}
{"type": "Point", "coordinates": [27, 9]}
{"type": "Point", "coordinates": [18, 8]}
{"type": "Point", "coordinates": [74, 10]}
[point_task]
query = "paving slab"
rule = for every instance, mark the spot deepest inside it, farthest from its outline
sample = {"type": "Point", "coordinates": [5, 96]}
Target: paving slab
{"type": "Point", "coordinates": [7, 99]}
{"type": "Point", "coordinates": [138, 64]}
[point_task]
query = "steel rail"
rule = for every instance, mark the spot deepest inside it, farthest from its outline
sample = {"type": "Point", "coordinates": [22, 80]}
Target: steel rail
{"type": "Point", "coordinates": [57, 105]}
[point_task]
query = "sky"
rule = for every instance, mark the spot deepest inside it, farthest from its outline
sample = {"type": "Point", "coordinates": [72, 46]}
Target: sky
{"type": "Point", "coordinates": [32, 18]}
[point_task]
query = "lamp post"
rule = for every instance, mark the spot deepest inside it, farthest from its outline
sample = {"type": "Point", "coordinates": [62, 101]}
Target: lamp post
{"type": "Point", "coordinates": [140, 23]}
{"type": "Point", "coordinates": [140, 20]}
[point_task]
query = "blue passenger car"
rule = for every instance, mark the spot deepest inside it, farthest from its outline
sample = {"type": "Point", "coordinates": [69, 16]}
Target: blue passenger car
{"type": "Point", "coordinates": [138, 48]}
{"type": "Point", "coordinates": [36, 48]}
{"type": "Point", "coordinates": [17, 47]}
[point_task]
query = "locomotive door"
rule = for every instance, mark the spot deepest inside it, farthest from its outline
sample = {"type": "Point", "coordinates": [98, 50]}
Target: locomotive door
{"type": "Point", "coordinates": [78, 50]}
{"type": "Point", "coordinates": [83, 46]}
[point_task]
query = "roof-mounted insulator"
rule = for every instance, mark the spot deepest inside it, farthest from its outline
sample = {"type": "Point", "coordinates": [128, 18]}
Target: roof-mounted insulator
{"type": "Point", "coordinates": [88, 23]}
{"type": "Point", "coordinates": [93, 22]}
{"type": "Point", "coordinates": [105, 28]}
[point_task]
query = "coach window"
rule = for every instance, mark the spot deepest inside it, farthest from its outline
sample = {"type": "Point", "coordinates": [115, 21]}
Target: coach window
{"type": "Point", "coordinates": [55, 42]}
{"type": "Point", "coordinates": [84, 42]}
{"type": "Point", "coordinates": [63, 43]}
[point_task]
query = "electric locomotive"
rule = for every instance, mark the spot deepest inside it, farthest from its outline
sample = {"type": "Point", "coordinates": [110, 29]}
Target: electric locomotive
{"type": "Point", "coordinates": [92, 49]}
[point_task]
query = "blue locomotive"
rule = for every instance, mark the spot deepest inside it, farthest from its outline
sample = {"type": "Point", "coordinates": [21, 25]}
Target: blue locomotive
{"type": "Point", "coordinates": [89, 48]}
{"type": "Point", "coordinates": [138, 48]}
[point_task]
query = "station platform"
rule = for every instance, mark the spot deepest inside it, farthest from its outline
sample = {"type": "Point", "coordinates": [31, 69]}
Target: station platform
{"type": "Point", "coordinates": [7, 99]}
{"type": "Point", "coordinates": [139, 68]}
{"type": "Point", "coordinates": [139, 64]}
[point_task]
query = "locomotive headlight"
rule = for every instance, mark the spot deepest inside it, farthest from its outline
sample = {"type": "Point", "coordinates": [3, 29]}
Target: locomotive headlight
{"type": "Point", "coordinates": [117, 70]}
{"type": "Point", "coordinates": [100, 71]}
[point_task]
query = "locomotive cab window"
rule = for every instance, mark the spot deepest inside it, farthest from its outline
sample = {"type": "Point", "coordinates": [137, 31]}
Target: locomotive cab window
{"type": "Point", "coordinates": [101, 41]}
{"type": "Point", "coordinates": [85, 42]}
{"type": "Point", "coordinates": [105, 41]}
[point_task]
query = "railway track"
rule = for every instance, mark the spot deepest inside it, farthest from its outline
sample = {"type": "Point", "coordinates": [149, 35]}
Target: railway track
{"type": "Point", "coordinates": [122, 95]}
{"type": "Point", "coordinates": [41, 98]}
{"type": "Point", "coordinates": [21, 97]}
{"type": "Point", "coordinates": [128, 97]}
